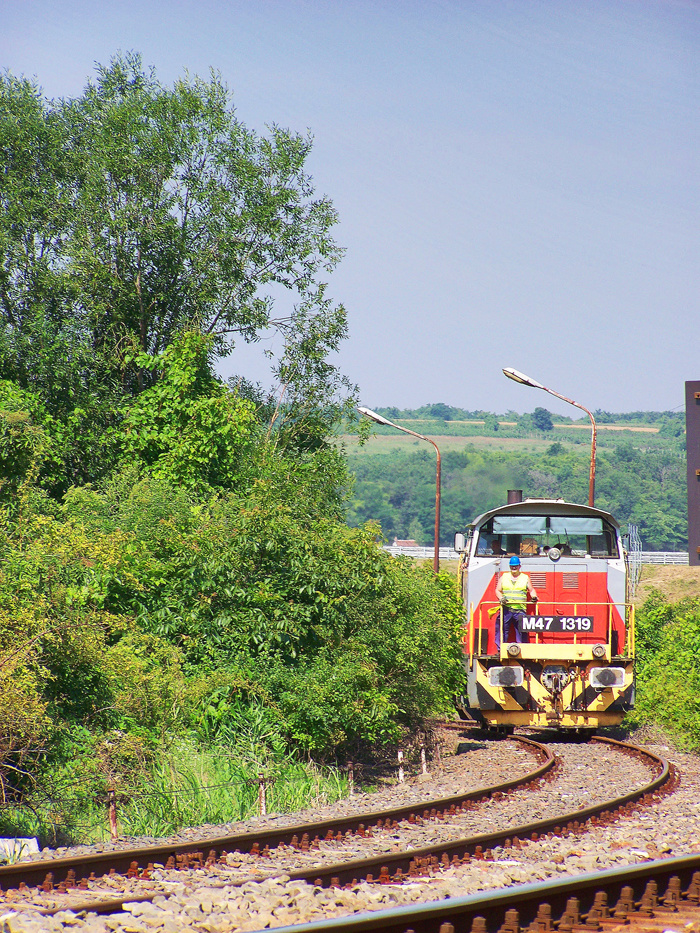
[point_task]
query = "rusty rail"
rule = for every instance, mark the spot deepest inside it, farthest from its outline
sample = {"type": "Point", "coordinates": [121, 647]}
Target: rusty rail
{"type": "Point", "coordinates": [123, 861]}
{"type": "Point", "coordinates": [666, 890]}
{"type": "Point", "coordinates": [387, 868]}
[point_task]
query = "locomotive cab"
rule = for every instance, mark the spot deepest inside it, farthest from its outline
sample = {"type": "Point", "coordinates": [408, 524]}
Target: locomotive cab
{"type": "Point", "coordinates": [574, 665]}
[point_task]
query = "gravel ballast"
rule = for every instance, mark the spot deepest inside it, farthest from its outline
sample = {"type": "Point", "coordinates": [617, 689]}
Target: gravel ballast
{"type": "Point", "coordinates": [215, 901]}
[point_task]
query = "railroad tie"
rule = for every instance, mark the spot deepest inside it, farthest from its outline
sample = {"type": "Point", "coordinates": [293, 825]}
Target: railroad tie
{"type": "Point", "coordinates": [543, 921]}
{"type": "Point", "coordinates": [511, 924]}
{"type": "Point", "coordinates": [625, 904]}
{"type": "Point", "coordinates": [599, 911]}
{"type": "Point", "coordinates": [693, 892]}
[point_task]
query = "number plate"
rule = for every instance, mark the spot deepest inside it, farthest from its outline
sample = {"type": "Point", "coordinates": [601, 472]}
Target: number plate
{"type": "Point", "coordinates": [557, 623]}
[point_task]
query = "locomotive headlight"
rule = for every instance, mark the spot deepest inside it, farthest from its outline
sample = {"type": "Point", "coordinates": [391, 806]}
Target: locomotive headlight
{"type": "Point", "coordinates": [506, 676]}
{"type": "Point", "coordinates": [598, 651]}
{"type": "Point", "coordinates": [602, 678]}
{"type": "Point", "coordinates": [514, 650]}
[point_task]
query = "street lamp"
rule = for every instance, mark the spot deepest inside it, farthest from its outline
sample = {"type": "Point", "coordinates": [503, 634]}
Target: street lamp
{"type": "Point", "coordinates": [534, 384]}
{"type": "Point", "coordinates": [385, 421]}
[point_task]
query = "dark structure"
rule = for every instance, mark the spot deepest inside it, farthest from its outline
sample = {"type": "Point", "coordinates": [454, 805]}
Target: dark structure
{"type": "Point", "coordinates": [692, 428]}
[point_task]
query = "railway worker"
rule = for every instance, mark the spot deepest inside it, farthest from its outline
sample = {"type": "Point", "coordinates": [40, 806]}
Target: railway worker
{"type": "Point", "coordinates": [512, 591]}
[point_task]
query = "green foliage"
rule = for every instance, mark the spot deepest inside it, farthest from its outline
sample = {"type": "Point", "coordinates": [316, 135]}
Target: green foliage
{"type": "Point", "coordinates": [668, 668]}
{"type": "Point", "coordinates": [253, 622]}
{"type": "Point", "coordinates": [274, 589]}
{"type": "Point", "coordinates": [646, 487]}
{"type": "Point", "coordinates": [136, 212]}
{"type": "Point", "coordinates": [188, 428]}
{"type": "Point", "coordinates": [542, 420]}
{"type": "Point", "coordinates": [24, 443]}
{"type": "Point", "coordinates": [181, 602]}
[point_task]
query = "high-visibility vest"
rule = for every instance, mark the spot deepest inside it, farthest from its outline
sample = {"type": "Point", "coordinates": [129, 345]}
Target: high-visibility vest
{"type": "Point", "coordinates": [515, 590]}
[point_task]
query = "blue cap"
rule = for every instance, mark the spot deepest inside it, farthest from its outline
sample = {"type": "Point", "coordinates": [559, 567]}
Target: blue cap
{"type": "Point", "coordinates": [514, 562]}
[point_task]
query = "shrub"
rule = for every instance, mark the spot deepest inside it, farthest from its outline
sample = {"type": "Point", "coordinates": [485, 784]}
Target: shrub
{"type": "Point", "coordinates": [668, 667]}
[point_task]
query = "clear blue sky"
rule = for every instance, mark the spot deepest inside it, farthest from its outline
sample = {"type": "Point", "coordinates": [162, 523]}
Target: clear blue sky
{"type": "Point", "coordinates": [517, 180]}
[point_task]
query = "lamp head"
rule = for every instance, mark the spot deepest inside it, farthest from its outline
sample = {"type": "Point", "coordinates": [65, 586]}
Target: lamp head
{"type": "Point", "coordinates": [522, 378]}
{"type": "Point", "coordinates": [374, 416]}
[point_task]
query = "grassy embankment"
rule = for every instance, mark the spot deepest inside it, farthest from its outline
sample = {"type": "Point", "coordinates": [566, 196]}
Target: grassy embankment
{"type": "Point", "coordinates": [668, 653]}
{"type": "Point", "coordinates": [674, 582]}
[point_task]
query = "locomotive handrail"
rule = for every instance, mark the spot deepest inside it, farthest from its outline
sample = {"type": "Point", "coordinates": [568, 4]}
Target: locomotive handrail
{"type": "Point", "coordinates": [626, 611]}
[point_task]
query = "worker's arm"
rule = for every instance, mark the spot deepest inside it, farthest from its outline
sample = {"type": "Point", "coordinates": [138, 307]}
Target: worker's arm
{"type": "Point", "coordinates": [532, 591]}
{"type": "Point", "coordinates": [499, 593]}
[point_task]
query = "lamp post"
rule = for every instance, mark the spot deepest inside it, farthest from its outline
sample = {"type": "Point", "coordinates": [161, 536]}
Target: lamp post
{"type": "Point", "coordinates": [381, 420]}
{"type": "Point", "coordinates": [534, 384]}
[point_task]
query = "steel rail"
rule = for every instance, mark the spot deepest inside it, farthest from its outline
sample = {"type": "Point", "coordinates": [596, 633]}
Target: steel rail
{"type": "Point", "coordinates": [426, 860]}
{"type": "Point", "coordinates": [593, 901]}
{"type": "Point", "coordinates": [34, 873]}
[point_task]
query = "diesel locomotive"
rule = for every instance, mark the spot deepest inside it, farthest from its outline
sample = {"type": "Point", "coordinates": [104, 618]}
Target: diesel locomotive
{"type": "Point", "coordinates": [573, 667]}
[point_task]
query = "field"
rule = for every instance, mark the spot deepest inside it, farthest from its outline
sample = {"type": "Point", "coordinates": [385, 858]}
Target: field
{"type": "Point", "coordinates": [674, 581]}
{"type": "Point", "coordinates": [644, 429]}
{"type": "Point", "coordinates": [574, 437]}
{"type": "Point", "coordinates": [387, 443]}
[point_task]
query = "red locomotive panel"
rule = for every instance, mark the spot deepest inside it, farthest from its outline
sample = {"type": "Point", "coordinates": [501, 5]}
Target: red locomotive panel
{"type": "Point", "coordinates": [572, 595]}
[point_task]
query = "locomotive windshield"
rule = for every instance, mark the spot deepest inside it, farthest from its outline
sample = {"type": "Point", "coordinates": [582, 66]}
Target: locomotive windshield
{"type": "Point", "coordinates": [534, 535]}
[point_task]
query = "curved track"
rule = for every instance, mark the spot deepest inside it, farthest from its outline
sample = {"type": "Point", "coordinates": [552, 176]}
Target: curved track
{"type": "Point", "coordinates": [655, 896]}
{"type": "Point", "coordinates": [184, 855]}
{"type": "Point", "coordinates": [385, 868]}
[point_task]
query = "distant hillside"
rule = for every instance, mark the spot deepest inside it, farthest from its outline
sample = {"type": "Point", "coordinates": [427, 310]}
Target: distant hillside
{"type": "Point", "coordinates": [442, 412]}
{"type": "Point", "coordinates": [446, 421]}
{"type": "Point", "coordinates": [640, 470]}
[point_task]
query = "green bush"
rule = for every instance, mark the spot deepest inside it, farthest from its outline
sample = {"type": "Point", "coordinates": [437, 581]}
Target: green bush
{"type": "Point", "coordinates": [253, 625]}
{"type": "Point", "coordinates": [668, 668]}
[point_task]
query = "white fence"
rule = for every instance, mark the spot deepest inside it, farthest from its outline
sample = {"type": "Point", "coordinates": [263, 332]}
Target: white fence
{"type": "Point", "coordinates": [447, 553]}
{"type": "Point", "coordinates": [664, 557]}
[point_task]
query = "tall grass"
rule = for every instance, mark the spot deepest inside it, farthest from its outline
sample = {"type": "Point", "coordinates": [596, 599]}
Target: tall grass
{"type": "Point", "coordinates": [192, 787]}
{"type": "Point", "coordinates": [184, 786]}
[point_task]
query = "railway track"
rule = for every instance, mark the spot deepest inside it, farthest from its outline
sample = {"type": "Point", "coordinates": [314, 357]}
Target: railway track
{"type": "Point", "coordinates": [299, 836]}
{"type": "Point", "coordinates": [137, 863]}
{"type": "Point", "coordinates": [650, 898]}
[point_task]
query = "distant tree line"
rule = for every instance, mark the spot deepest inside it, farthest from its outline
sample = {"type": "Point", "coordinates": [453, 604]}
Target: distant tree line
{"type": "Point", "coordinates": [443, 412]}
{"type": "Point", "coordinates": [646, 487]}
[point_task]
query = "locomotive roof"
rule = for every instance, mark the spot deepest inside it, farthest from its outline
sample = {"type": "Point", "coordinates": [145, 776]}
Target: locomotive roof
{"type": "Point", "coordinates": [544, 507]}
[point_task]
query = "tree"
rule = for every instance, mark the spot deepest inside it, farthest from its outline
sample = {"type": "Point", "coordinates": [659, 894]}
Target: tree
{"type": "Point", "coordinates": [441, 411]}
{"type": "Point", "coordinates": [137, 211]}
{"type": "Point", "coordinates": [542, 420]}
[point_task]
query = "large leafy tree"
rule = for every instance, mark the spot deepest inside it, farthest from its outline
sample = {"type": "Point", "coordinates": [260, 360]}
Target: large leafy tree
{"type": "Point", "coordinates": [136, 211]}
